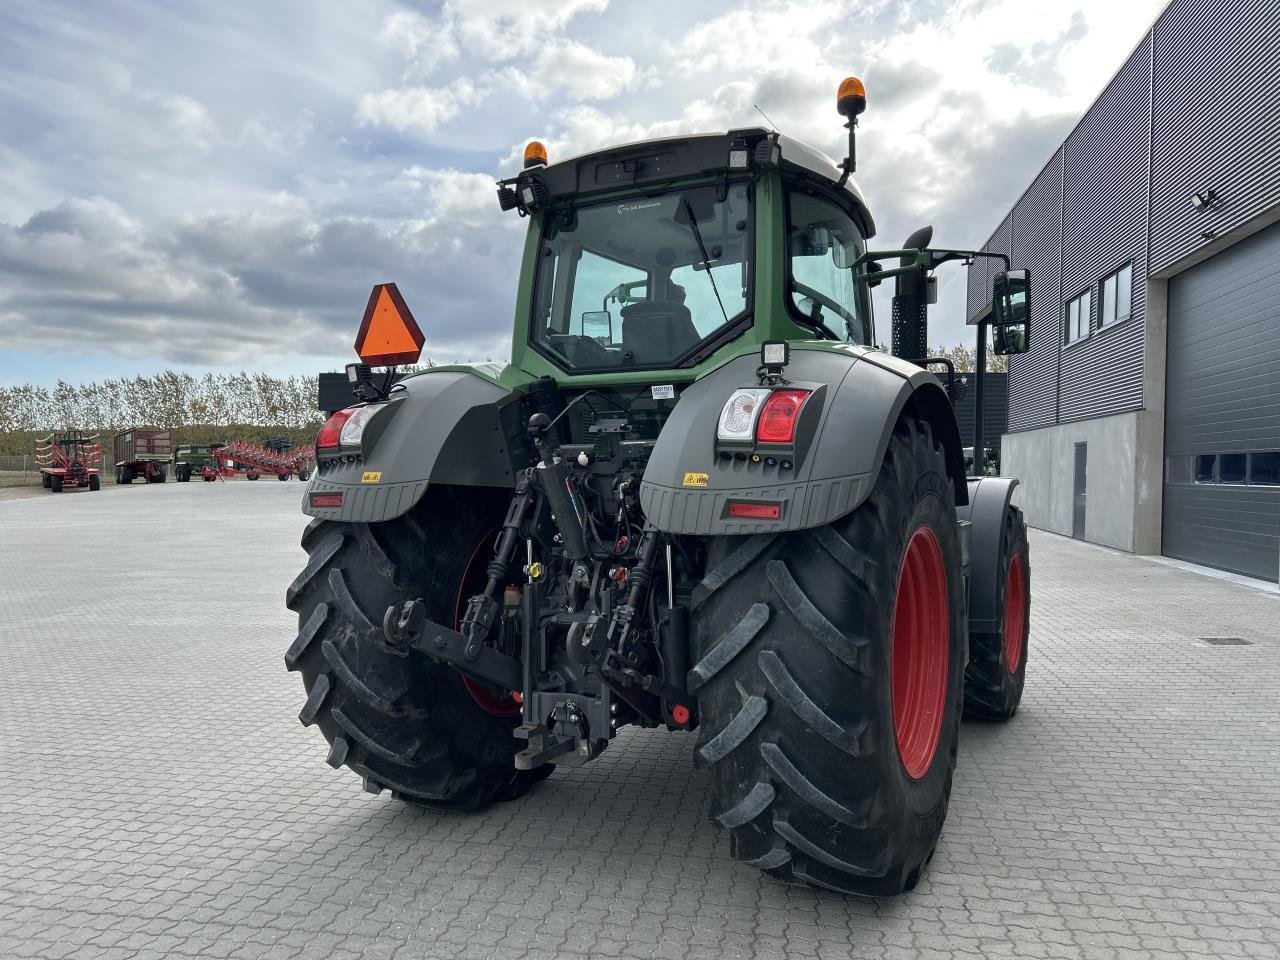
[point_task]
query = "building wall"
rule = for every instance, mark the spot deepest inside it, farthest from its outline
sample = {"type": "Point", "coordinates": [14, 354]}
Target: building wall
{"type": "Point", "coordinates": [1116, 495]}
{"type": "Point", "coordinates": [1193, 108]}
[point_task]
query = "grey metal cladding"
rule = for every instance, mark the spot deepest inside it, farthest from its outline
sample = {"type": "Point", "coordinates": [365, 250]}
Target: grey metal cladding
{"type": "Point", "coordinates": [1216, 120]}
{"type": "Point", "coordinates": [1223, 356]}
{"type": "Point", "coordinates": [1035, 241]}
{"type": "Point", "coordinates": [1104, 227]}
{"type": "Point", "coordinates": [1223, 396]}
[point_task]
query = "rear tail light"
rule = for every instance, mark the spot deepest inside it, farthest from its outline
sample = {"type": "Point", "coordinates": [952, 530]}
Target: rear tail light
{"type": "Point", "coordinates": [740, 412]}
{"type": "Point", "coordinates": [777, 422]}
{"type": "Point", "coordinates": [353, 429]}
{"type": "Point", "coordinates": [330, 435]}
{"type": "Point", "coordinates": [330, 500]}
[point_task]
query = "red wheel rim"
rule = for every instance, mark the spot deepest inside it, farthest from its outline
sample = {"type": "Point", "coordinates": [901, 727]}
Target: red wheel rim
{"type": "Point", "coordinates": [921, 640]}
{"type": "Point", "coordinates": [1015, 613]}
{"type": "Point", "coordinates": [473, 580]}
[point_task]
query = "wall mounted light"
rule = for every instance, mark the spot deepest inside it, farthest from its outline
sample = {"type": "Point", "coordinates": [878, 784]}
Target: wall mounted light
{"type": "Point", "coordinates": [1204, 199]}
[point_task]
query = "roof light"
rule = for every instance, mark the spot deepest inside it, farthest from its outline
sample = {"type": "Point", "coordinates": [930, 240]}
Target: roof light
{"type": "Point", "coordinates": [778, 417]}
{"type": "Point", "coordinates": [851, 98]}
{"type": "Point", "coordinates": [740, 412]}
{"type": "Point", "coordinates": [330, 435]}
{"type": "Point", "coordinates": [535, 154]}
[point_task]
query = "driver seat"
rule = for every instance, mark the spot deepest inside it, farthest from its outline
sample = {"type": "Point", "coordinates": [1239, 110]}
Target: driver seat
{"type": "Point", "coordinates": [656, 331]}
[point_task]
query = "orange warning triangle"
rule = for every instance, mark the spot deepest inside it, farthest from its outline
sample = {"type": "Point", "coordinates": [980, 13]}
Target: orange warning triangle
{"type": "Point", "coordinates": [388, 333]}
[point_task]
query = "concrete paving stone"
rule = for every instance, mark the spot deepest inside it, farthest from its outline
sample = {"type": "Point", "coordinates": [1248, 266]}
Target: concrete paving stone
{"type": "Point", "coordinates": [158, 797]}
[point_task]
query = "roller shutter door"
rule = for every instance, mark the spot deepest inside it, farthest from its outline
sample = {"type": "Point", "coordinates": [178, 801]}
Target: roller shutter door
{"type": "Point", "coordinates": [1222, 411]}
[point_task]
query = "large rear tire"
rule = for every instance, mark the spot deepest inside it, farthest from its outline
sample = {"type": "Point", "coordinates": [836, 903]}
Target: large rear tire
{"type": "Point", "coordinates": [997, 668]}
{"type": "Point", "coordinates": [829, 679]}
{"type": "Point", "coordinates": [401, 721]}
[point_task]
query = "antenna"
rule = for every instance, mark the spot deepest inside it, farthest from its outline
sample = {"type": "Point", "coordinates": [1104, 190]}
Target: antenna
{"type": "Point", "coordinates": [766, 117]}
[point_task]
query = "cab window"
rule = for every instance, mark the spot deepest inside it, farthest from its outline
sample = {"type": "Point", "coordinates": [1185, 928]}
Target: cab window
{"type": "Point", "coordinates": [823, 243]}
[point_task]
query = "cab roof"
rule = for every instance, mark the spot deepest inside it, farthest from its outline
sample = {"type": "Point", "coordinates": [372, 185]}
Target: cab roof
{"type": "Point", "coordinates": [650, 161]}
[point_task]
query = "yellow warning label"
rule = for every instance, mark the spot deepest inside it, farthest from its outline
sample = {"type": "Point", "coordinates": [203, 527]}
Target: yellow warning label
{"type": "Point", "coordinates": [371, 476]}
{"type": "Point", "coordinates": [696, 479]}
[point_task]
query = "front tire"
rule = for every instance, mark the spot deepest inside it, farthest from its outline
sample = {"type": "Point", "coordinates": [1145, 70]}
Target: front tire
{"type": "Point", "coordinates": [94, 483]}
{"type": "Point", "coordinates": [829, 682]}
{"type": "Point", "coordinates": [400, 720]}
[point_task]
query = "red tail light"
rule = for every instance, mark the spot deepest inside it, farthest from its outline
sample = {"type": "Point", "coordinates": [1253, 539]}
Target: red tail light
{"type": "Point", "coordinates": [330, 500]}
{"type": "Point", "coordinates": [330, 435]}
{"type": "Point", "coordinates": [777, 423]}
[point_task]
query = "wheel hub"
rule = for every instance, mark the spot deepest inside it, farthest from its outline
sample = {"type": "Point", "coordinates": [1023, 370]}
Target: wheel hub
{"type": "Point", "coordinates": [920, 652]}
{"type": "Point", "coordinates": [1015, 613]}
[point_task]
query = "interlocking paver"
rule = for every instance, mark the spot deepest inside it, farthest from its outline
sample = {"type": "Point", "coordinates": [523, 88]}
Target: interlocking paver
{"type": "Point", "coordinates": [158, 797]}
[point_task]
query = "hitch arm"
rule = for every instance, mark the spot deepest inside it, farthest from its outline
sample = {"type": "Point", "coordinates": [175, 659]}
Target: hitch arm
{"type": "Point", "coordinates": [407, 625]}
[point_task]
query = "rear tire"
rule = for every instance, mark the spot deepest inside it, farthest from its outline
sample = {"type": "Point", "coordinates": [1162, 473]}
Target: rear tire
{"type": "Point", "coordinates": [800, 638]}
{"type": "Point", "coordinates": [44, 480]}
{"type": "Point", "coordinates": [95, 483]}
{"type": "Point", "coordinates": [55, 483]}
{"type": "Point", "coordinates": [997, 668]}
{"type": "Point", "coordinates": [400, 720]}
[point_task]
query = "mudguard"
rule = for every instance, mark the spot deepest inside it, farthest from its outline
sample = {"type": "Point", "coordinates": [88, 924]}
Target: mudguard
{"type": "Point", "coordinates": [988, 499]}
{"type": "Point", "coordinates": [687, 485]}
{"type": "Point", "coordinates": [443, 427]}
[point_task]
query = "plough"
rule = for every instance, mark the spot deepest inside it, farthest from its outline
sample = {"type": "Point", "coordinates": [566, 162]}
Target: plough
{"type": "Point", "coordinates": [253, 460]}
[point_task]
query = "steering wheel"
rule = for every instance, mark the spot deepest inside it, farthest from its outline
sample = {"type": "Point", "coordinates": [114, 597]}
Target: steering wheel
{"type": "Point", "coordinates": [826, 301]}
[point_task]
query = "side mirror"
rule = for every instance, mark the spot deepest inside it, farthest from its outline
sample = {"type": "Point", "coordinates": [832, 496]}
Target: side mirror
{"type": "Point", "coordinates": [1009, 338]}
{"type": "Point", "coordinates": [598, 325]}
{"type": "Point", "coordinates": [1009, 298]}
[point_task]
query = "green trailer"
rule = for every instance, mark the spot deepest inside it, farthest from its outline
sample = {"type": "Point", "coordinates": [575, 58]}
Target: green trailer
{"type": "Point", "coordinates": [199, 459]}
{"type": "Point", "coordinates": [143, 453]}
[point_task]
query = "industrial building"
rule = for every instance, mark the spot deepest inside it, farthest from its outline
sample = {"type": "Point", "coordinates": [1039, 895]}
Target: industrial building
{"type": "Point", "coordinates": [1146, 413]}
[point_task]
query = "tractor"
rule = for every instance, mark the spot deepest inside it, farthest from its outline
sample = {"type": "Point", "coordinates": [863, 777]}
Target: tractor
{"type": "Point", "coordinates": [697, 498]}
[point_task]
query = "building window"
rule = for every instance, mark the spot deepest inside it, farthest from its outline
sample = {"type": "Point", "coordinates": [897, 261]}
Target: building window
{"type": "Point", "coordinates": [1078, 311]}
{"type": "Point", "coordinates": [1117, 295]}
{"type": "Point", "coordinates": [1231, 468]}
{"type": "Point", "coordinates": [1264, 469]}
{"type": "Point", "coordinates": [1239, 469]}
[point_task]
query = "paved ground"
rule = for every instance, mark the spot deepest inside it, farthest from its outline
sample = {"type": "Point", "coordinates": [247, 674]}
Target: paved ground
{"type": "Point", "coordinates": [158, 798]}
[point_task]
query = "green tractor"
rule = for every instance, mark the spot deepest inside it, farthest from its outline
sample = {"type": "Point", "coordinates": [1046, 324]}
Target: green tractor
{"type": "Point", "coordinates": [698, 498]}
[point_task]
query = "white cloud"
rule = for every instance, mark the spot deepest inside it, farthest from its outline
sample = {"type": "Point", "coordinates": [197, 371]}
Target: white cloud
{"type": "Point", "coordinates": [419, 108]}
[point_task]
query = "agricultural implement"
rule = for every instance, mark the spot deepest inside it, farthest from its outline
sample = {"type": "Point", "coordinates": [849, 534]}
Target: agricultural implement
{"type": "Point", "coordinates": [697, 498]}
{"type": "Point", "coordinates": [143, 453]}
{"type": "Point", "coordinates": [198, 460]}
{"type": "Point", "coordinates": [276, 459]}
{"type": "Point", "coordinates": [69, 459]}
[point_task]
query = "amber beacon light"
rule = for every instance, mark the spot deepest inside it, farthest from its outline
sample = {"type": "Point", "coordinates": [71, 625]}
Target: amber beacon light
{"type": "Point", "coordinates": [851, 99]}
{"type": "Point", "coordinates": [535, 154]}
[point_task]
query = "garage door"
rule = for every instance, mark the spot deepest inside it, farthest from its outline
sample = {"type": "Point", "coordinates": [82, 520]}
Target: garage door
{"type": "Point", "coordinates": [1222, 411]}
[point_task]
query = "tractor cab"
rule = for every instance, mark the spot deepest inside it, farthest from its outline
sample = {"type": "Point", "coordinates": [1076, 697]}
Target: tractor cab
{"type": "Point", "coordinates": [664, 254]}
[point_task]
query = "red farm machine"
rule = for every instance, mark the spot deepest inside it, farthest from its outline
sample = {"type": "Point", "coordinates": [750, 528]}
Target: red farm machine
{"type": "Point", "coordinates": [274, 456]}
{"type": "Point", "coordinates": [69, 459]}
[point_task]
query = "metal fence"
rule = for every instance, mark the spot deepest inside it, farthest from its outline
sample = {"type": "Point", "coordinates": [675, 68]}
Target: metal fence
{"type": "Point", "coordinates": [19, 470]}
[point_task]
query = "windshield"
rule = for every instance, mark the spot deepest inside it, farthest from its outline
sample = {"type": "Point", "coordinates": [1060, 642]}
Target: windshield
{"type": "Point", "coordinates": [643, 281]}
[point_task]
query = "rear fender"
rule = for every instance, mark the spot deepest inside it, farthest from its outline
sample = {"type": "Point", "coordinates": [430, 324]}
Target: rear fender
{"type": "Point", "coordinates": [988, 500]}
{"type": "Point", "coordinates": [443, 427]}
{"type": "Point", "coordinates": [687, 485]}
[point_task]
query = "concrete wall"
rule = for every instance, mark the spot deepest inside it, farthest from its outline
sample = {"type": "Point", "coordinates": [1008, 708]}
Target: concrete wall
{"type": "Point", "coordinates": [1124, 474]}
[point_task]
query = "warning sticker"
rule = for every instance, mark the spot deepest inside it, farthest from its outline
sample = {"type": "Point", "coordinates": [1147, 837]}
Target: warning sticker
{"type": "Point", "coordinates": [696, 479]}
{"type": "Point", "coordinates": [371, 476]}
{"type": "Point", "coordinates": [663, 391]}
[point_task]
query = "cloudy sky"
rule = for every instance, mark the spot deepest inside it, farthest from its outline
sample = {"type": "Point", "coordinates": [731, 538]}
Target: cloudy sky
{"type": "Point", "coordinates": [217, 188]}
